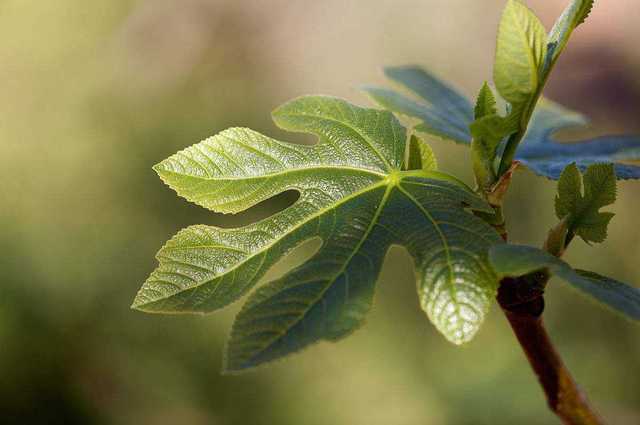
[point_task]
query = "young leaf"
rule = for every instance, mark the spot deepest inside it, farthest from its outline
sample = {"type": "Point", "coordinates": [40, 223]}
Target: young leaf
{"type": "Point", "coordinates": [574, 15]}
{"type": "Point", "coordinates": [487, 130]}
{"type": "Point", "coordinates": [539, 150]}
{"type": "Point", "coordinates": [353, 196]}
{"type": "Point", "coordinates": [524, 59]}
{"type": "Point", "coordinates": [520, 54]}
{"type": "Point", "coordinates": [518, 260]}
{"type": "Point", "coordinates": [485, 103]}
{"type": "Point", "coordinates": [582, 212]}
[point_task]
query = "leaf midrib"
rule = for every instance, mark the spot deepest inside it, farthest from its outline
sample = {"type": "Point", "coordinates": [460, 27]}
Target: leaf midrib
{"type": "Point", "coordinates": [445, 244]}
{"type": "Point", "coordinates": [284, 171]}
{"type": "Point", "coordinates": [365, 236]}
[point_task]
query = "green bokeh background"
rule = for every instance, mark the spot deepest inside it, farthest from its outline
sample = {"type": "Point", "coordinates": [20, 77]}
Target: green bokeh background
{"type": "Point", "coordinates": [94, 93]}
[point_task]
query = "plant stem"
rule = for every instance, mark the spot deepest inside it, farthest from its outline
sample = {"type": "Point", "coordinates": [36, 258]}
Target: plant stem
{"type": "Point", "coordinates": [522, 302]}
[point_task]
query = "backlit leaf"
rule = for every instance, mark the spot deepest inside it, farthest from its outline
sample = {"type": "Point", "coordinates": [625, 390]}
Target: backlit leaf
{"type": "Point", "coordinates": [520, 53]}
{"type": "Point", "coordinates": [355, 197]}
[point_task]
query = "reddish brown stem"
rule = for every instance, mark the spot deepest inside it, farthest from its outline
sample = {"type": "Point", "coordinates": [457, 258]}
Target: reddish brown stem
{"type": "Point", "coordinates": [522, 302]}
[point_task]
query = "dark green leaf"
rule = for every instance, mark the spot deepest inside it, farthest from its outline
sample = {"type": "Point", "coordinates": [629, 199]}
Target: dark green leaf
{"type": "Point", "coordinates": [432, 90]}
{"type": "Point", "coordinates": [517, 260]}
{"type": "Point", "coordinates": [539, 150]}
{"type": "Point", "coordinates": [543, 154]}
{"type": "Point", "coordinates": [443, 112]}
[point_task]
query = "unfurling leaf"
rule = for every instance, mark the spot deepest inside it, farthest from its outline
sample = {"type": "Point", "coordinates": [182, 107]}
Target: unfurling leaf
{"type": "Point", "coordinates": [525, 56]}
{"type": "Point", "coordinates": [582, 212]}
{"type": "Point", "coordinates": [574, 15]}
{"type": "Point", "coordinates": [485, 103]}
{"type": "Point", "coordinates": [354, 197]}
{"type": "Point", "coordinates": [517, 260]}
{"type": "Point", "coordinates": [539, 150]}
{"type": "Point", "coordinates": [518, 71]}
{"type": "Point", "coordinates": [487, 130]}
{"type": "Point", "coordinates": [520, 54]}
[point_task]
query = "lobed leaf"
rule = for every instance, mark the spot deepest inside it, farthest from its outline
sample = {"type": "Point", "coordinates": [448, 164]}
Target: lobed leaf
{"type": "Point", "coordinates": [432, 90]}
{"type": "Point", "coordinates": [518, 260]}
{"type": "Point", "coordinates": [581, 213]}
{"type": "Point", "coordinates": [539, 150]}
{"type": "Point", "coordinates": [354, 197]}
{"type": "Point", "coordinates": [443, 112]}
{"type": "Point", "coordinates": [543, 154]}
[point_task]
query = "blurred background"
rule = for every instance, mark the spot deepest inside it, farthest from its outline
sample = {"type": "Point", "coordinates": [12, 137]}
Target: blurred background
{"type": "Point", "coordinates": [95, 93]}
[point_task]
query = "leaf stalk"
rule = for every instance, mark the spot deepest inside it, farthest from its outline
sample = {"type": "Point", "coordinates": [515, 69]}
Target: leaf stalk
{"type": "Point", "coordinates": [524, 313]}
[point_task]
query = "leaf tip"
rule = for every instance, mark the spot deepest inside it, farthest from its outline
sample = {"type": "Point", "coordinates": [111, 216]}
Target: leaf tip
{"type": "Point", "coordinates": [228, 369]}
{"type": "Point", "coordinates": [462, 334]}
{"type": "Point", "coordinates": [233, 368]}
{"type": "Point", "coordinates": [139, 304]}
{"type": "Point", "coordinates": [146, 304]}
{"type": "Point", "coordinates": [391, 71]}
{"type": "Point", "coordinates": [233, 365]}
{"type": "Point", "coordinates": [160, 169]}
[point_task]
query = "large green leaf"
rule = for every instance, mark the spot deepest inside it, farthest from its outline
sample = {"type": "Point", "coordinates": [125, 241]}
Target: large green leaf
{"type": "Point", "coordinates": [540, 151]}
{"type": "Point", "coordinates": [518, 260]}
{"type": "Point", "coordinates": [355, 197]}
